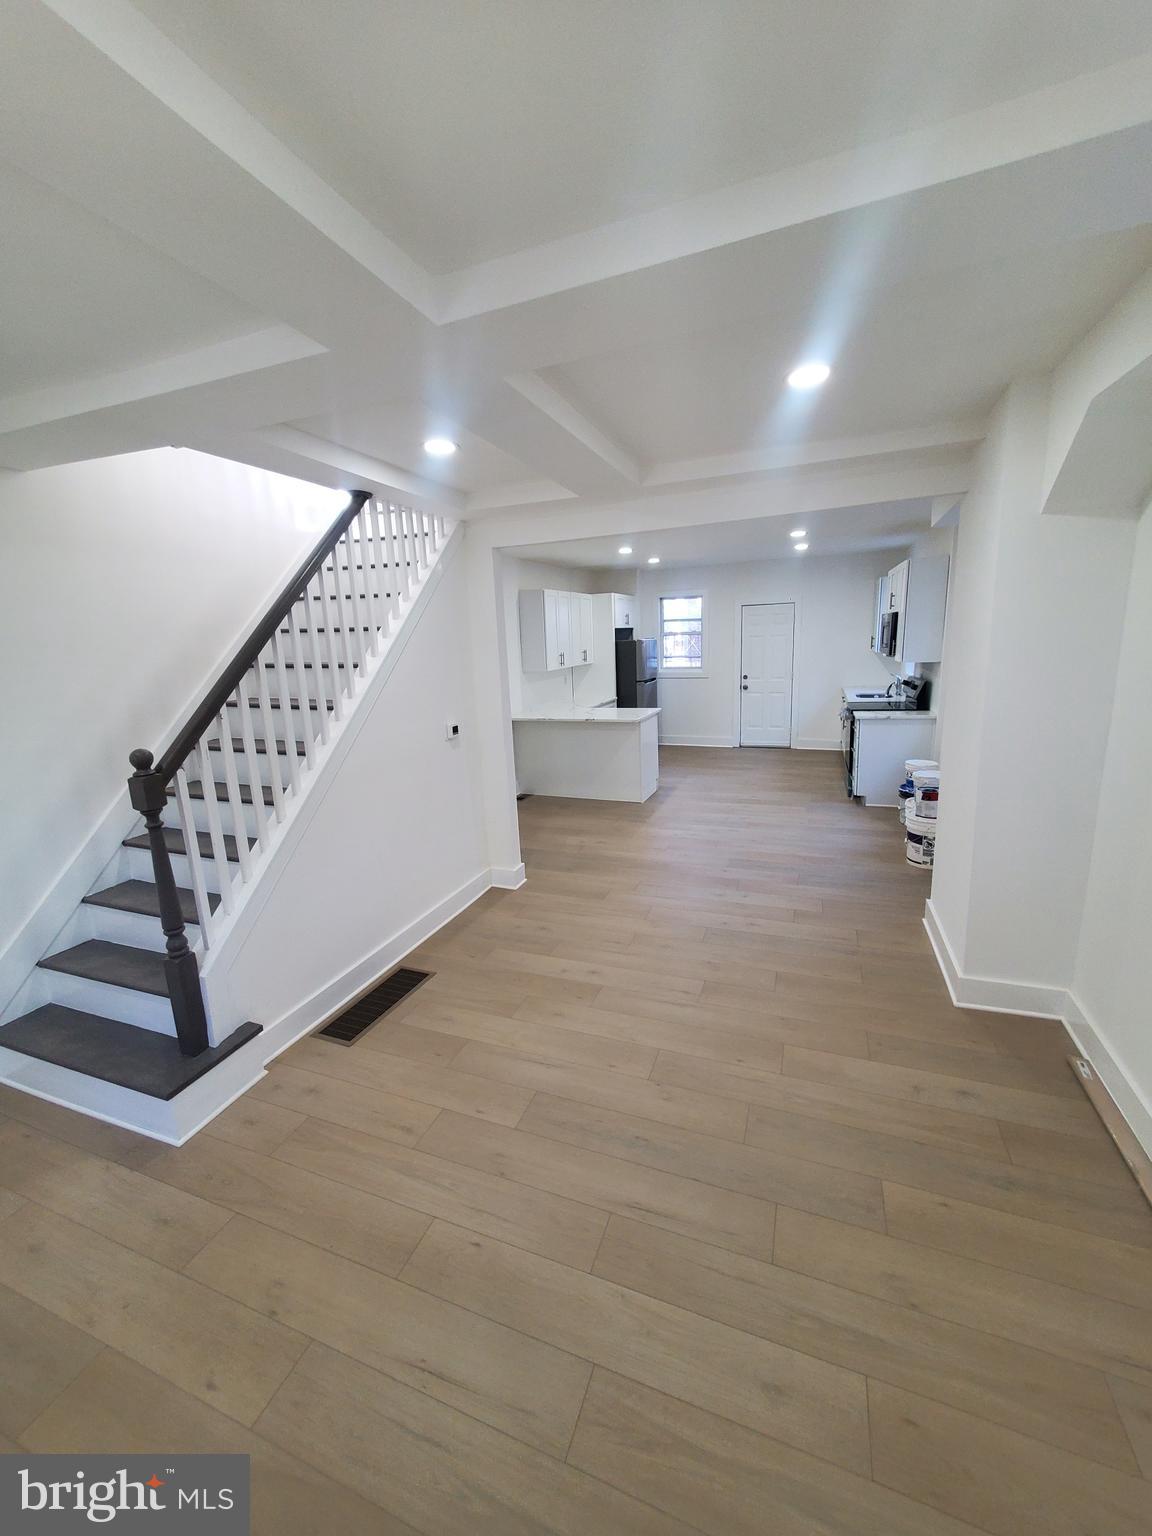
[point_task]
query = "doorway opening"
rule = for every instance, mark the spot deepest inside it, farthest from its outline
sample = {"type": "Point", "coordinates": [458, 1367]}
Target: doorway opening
{"type": "Point", "coordinates": [767, 652]}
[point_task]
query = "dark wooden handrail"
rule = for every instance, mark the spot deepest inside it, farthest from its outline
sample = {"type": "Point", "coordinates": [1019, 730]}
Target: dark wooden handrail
{"type": "Point", "coordinates": [221, 690]}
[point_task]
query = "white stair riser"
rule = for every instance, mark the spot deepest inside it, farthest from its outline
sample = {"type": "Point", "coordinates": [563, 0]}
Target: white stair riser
{"type": "Point", "coordinates": [136, 929]}
{"type": "Point", "coordinates": [130, 1007]}
{"type": "Point", "coordinates": [280, 724]}
{"type": "Point", "coordinates": [262, 767]}
{"type": "Point", "coordinates": [138, 866]}
{"type": "Point", "coordinates": [247, 817]}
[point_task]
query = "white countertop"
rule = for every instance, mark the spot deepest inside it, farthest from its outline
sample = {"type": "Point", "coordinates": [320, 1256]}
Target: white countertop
{"type": "Point", "coordinates": [608, 716]}
{"type": "Point", "coordinates": [893, 714]}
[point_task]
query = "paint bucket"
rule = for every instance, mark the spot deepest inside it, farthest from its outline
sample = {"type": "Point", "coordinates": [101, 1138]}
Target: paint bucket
{"type": "Point", "coordinates": [920, 839]}
{"type": "Point", "coordinates": [926, 788]}
{"type": "Point", "coordinates": [907, 790]}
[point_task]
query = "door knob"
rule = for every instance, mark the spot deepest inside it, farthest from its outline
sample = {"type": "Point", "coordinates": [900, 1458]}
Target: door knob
{"type": "Point", "coordinates": [745, 677]}
{"type": "Point", "coordinates": [744, 686]}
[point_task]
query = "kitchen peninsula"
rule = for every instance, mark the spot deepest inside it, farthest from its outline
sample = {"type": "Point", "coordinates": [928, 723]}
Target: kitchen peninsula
{"type": "Point", "coordinates": [588, 754]}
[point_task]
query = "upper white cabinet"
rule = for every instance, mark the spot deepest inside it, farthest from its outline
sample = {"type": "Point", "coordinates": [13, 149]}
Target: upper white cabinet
{"type": "Point", "coordinates": [555, 630]}
{"type": "Point", "coordinates": [623, 608]}
{"type": "Point", "coordinates": [916, 591]}
{"type": "Point", "coordinates": [583, 638]}
{"type": "Point", "coordinates": [898, 586]}
{"type": "Point", "coordinates": [879, 609]}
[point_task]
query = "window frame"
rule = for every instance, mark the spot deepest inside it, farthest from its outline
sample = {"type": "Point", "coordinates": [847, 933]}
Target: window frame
{"type": "Point", "coordinates": [682, 672]}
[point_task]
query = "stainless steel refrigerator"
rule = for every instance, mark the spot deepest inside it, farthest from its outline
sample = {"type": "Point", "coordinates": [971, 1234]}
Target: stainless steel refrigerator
{"type": "Point", "coordinates": [635, 671]}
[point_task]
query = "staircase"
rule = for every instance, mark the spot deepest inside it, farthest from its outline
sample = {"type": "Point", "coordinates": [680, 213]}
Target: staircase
{"type": "Point", "coordinates": [115, 1019]}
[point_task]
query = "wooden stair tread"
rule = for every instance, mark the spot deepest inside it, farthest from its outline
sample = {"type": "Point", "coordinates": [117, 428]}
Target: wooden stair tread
{"type": "Point", "coordinates": [260, 744]}
{"type": "Point", "coordinates": [117, 965]}
{"type": "Point", "coordinates": [196, 791]}
{"type": "Point", "coordinates": [174, 842]}
{"type": "Point", "coordinates": [141, 896]}
{"type": "Point", "coordinates": [276, 704]}
{"type": "Point", "coordinates": [143, 1060]}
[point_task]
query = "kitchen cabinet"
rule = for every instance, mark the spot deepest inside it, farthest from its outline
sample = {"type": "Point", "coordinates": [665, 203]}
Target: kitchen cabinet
{"type": "Point", "coordinates": [916, 591]}
{"type": "Point", "coordinates": [583, 633]}
{"type": "Point", "coordinates": [879, 608]}
{"type": "Point", "coordinates": [623, 608]}
{"type": "Point", "coordinates": [876, 745]}
{"type": "Point", "coordinates": [898, 586]}
{"type": "Point", "coordinates": [924, 597]}
{"type": "Point", "coordinates": [556, 630]}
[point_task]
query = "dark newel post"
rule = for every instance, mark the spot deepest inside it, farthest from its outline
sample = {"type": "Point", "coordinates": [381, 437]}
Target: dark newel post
{"type": "Point", "coordinates": [149, 796]}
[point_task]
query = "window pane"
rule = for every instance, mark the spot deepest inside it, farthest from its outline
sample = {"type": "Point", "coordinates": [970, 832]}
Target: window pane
{"type": "Point", "coordinates": [681, 607]}
{"type": "Point", "coordinates": [681, 633]}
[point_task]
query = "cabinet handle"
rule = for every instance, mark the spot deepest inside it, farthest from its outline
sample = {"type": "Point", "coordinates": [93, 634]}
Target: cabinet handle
{"type": "Point", "coordinates": [561, 658]}
{"type": "Point", "coordinates": [585, 655]}
{"type": "Point", "coordinates": [744, 687]}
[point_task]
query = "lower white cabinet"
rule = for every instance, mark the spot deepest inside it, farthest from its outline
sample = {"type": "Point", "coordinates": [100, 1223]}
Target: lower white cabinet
{"type": "Point", "coordinates": [556, 630]}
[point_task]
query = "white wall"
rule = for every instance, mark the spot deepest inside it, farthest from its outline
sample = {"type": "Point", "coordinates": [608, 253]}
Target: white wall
{"type": "Point", "coordinates": [1037, 606]}
{"type": "Point", "coordinates": [399, 834]}
{"type": "Point", "coordinates": [1112, 981]}
{"type": "Point", "coordinates": [834, 599]}
{"type": "Point", "coordinates": [128, 583]}
{"type": "Point", "coordinates": [530, 692]}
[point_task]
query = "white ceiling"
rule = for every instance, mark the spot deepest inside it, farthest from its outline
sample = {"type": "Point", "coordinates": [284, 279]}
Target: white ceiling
{"type": "Point", "coordinates": [395, 431]}
{"type": "Point", "coordinates": [472, 128]}
{"type": "Point", "coordinates": [584, 239]}
{"type": "Point", "coordinates": [831, 531]}
{"type": "Point", "coordinates": [79, 296]}
{"type": "Point", "coordinates": [939, 349]}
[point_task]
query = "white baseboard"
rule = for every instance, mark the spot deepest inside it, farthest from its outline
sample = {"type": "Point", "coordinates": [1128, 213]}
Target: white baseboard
{"type": "Point", "coordinates": [816, 744]}
{"type": "Point", "coordinates": [994, 994]}
{"type": "Point", "coordinates": [1133, 1106]}
{"type": "Point", "coordinates": [697, 741]}
{"type": "Point", "coordinates": [509, 879]}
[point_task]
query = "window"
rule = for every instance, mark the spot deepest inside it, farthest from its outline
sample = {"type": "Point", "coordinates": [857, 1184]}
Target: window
{"type": "Point", "coordinates": [681, 634]}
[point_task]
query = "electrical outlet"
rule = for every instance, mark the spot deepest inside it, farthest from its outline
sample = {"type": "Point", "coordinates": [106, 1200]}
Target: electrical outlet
{"type": "Point", "coordinates": [452, 731]}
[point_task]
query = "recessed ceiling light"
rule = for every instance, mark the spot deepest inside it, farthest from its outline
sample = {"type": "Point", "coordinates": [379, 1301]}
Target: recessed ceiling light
{"type": "Point", "coordinates": [439, 447]}
{"type": "Point", "coordinates": [799, 548]}
{"type": "Point", "coordinates": [809, 375]}
{"type": "Point", "coordinates": [653, 559]}
{"type": "Point", "coordinates": [625, 549]}
{"type": "Point", "coordinates": [798, 533]}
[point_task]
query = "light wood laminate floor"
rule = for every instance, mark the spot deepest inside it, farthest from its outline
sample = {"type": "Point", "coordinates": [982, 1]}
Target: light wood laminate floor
{"type": "Point", "coordinates": [681, 1199]}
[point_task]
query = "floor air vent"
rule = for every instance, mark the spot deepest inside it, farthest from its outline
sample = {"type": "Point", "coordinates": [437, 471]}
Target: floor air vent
{"type": "Point", "coordinates": [348, 1026]}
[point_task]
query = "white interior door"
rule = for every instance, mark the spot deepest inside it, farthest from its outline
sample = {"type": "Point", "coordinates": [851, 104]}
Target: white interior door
{"type": "Point", "coordinates": [767, 633]}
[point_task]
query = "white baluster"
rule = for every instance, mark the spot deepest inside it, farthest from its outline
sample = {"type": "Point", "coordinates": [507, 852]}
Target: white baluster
{"type": "Point", "coordinates": [316, 654]}
{"type": "Point", "coordinates": [421, 541]}
{"type": "Point", "coordinates": [327, 608]}
{"type": "Point", "coordinates": [383, 570]}
{"type": "Point", "coordinates": [354, 579]}
{"type": "Point", "coordinates": [301, 676]}
{"type": "Point", "coordinates": [192, 852]}
{"type": "Point", "coordinates": [346, 637]}
{"type": "Point", "coordinates": [215, 830]}
{"type": "Point", "coordinates": [403, 539]}
{"type": "Point", "coordinates": [252, 763]}
{"type": "Point", "coordinates": [371, 611]}
{"type": "Point", "coordinates": [275, 772]}
{"type": "Point", "coordinates": [290, 757]}
{"type": "Point", "coordinates": [235, 803]}
{"type": "Point", "coordinates": [390, 551]}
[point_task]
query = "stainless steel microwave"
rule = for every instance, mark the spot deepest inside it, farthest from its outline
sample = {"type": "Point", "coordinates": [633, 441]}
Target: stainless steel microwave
{"type": "Point", "coordinates": [889, 623]}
